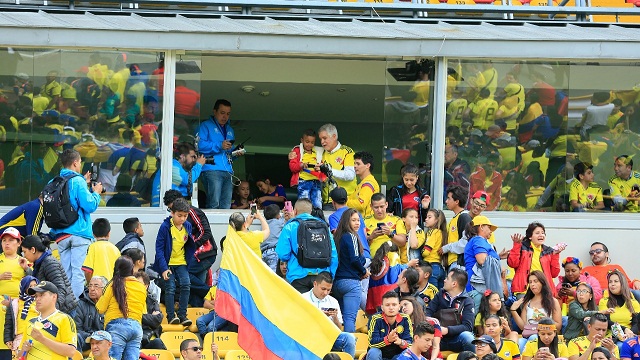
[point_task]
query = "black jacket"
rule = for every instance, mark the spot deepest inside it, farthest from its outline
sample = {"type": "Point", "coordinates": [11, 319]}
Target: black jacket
{"type": "Point", "coordinates": [395, 202]}
{"type": "Point", "coordinates": [9, 324]}
{"type": "Point", "coordinates": [151, 323]}
{"type": "Point", "coordinates": [87, 318]}
{"type": "Point", "coordinates": [202, 235]}
{"type": "Point", "coordinates": [462, 302]}
{"type": "Point", "coordinates": [47, 268]}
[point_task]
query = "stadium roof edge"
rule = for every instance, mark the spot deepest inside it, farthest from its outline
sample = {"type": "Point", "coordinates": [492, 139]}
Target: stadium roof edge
{"type": "Point", "coordinates": [318, 36]}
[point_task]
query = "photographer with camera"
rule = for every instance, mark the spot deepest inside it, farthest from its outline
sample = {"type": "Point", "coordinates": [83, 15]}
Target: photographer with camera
{"type": "Point", "coordinates": [340, 160]}
{"type": "Point", "coordinates": [215, 140]}
{"type": "Point", "coordinates": [186, 170]}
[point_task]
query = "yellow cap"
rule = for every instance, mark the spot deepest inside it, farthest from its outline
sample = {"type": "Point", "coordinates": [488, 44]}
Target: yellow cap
{"type": "Point", "coordinates": [483, 220]}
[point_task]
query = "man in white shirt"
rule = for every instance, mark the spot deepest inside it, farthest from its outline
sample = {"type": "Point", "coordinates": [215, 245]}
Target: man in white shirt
{"type": "Point", "coordinates": [320, 298]}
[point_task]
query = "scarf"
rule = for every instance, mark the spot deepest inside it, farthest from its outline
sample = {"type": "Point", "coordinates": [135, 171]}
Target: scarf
{"type": "Point", "coordinates": [28, 299]}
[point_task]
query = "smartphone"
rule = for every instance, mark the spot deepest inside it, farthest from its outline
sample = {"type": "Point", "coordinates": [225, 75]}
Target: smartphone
{"type": "Point", "coordinates": [328, 309]}
{"type": "Point", "coordinates": [380, 225]}
{"type": "Point", "coordinates": [231, 141]}
{"type": "Point", "coordinates": [287, 206]}
{"type": "Point", "coordinates": [545, 349]}
{"type": "Point", "coordinates": [254, 209]}
{"type": "Point", "coordinates": [566, 285]}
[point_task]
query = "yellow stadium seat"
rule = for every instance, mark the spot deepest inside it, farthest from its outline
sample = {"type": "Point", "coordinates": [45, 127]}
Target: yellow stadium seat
{"type": "Point", "coordinates": [193, 314]}
{"type": "Point", "coordinates": [172, 340]}
{"type": "Point", "coordinates": [546, 3]}
{"type": "Point", "coordinates": [225, 340]}
{"type": "Point", "coordinates": [445, 354]}
{"type": "Point", "coordinates": [237, 355]}
{"type": "Point", "coordinates": [343, 355]}
{"type": "Point", "coordinates": [362, 343]}
{"type": "Point", "coordinates": [453, 356]}
{"type": "Point", "coordinates": [159, 354]}
{"type": "Point", "coordinates": [463, 2]}
{"type": "Point", "coordinates": [165, 323]}
{"type": "Point", "coordinates": [362, 322]}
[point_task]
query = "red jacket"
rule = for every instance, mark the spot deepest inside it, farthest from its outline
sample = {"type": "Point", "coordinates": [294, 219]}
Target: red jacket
{"type": "Point", "coordinates": [295, 164]}
{"type": "Point", "coordinates": [520, 258]}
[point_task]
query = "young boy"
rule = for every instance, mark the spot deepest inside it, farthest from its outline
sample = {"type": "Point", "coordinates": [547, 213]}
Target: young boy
{"type": "Point", "coordinates": [426, 290]}
{"type": "Point", "coordinates": [302, 161]}
{"type": "Point", "coordinates": [175, 249]}
{"type": "Point", "coordinates": [390, 332]}
{"type": "Point", "coordinates": [268, 246]}
{"type": "Point", "coordinates": [382, 227]}
{"type": "Point", "coordinates": [101, 255]}
{"type": "Point", "coordinates": [133, 236]}
{"type": "Point", "coordinates": [422, 340]}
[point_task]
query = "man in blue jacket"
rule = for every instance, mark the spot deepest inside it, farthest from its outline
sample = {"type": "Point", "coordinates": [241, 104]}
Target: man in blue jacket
{"type": "Point", "coordinates": [186, 169]}
{"type": "Point", "coordinates": [215, 141]}
{"type": "Point", "coordinates": [287, 249]}
{"type": "Point", "coordinates": [455, 337]}
{"type": "Point", "coordinates": [73, 241]}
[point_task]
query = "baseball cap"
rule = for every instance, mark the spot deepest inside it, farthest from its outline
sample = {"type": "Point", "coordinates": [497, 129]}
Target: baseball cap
{"type": "Point", "coordinates": [99, 335]}
{"type": "Point", "coordinates": [11, 231]}
{"type": "Point", "coordinates": [339, 195]}
{"type": "Point", "coordinates": [42, 287]}
{"type": "Point", "coordinates": [483, 220]}
{"type": "Point", "coordinates": [492, 130]}
{"type": "Point", "coordinates": [476, 132]}
{"type": "Point", "coordinates": [486, 339]}
{"type": "Point", "coordinates": [480, 194]}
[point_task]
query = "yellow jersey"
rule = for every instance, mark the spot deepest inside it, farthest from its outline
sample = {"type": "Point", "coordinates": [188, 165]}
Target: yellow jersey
{"type": "Point", "coordinates": [101, 258]}
{"type": "Point", "coordinates": [179, 238]}
{"type": "Point", "coordinates": [483, 113]}
{"type": "Point", "coordinates": [58, 327]}
{"type": "Point", "coordinates": [622, 187]}
{"type": "Point", "coordinates": [136, 301]}
{"type": "Point", "coordinates": [589, 197]}
{"type": "Point", "coordinates": [308, 158]}
{"type": "Point", "coordinates": [432, 243]}
{"type": "Point", "coordinates": [622, 315]}
{"type": "Point", "coordinates": [422, 90]}
{"type": "Point", "coordinates": [491, 79]}
{"type": "Point", "coordinates": [428, 293]}
{"type": "Point", "coordinates": [11, 287]}
{"type": "Point", "coordinates": [509, 350]}
{"type": "Point", "coordinates": [453, 236]}
{"type": "Point", "coordinates": [531, 348]}
{"type": "Point", "coordinates": [340, 158]}
{"type": "Point", "coordinates": [253, 240]}
{"type": "Point", "coordinates": [360, 199]}
{"type": "Point", "coordinates": [580, 344]}
{"type": "Point", "coordinates": [394, 223]}
{"type": "Point", "coordinates": [455, 111]}
{"type": "Point", "coordinates": [211, 295]}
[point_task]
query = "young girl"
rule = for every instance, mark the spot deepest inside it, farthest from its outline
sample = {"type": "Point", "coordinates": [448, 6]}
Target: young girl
{"type": "Point", "coordinates": [411, 306]}
{"type": "Point", "coordinates": [137, 256]}
{"type": "Point", "coordinates": [582, 307]}
{"type": "Point", "coordinates": [384, 276]}
{"type": "Point", "coordinates": [491, 305]}
{"type": "Point", "coordinates": [493, 325]}
{"type": "Point", "coordinates": [123, 304]}
{"type": "Point", "coordinates": [409, 195]}
{"type": "Point", "coordinates": [274, 194]}
{"type": "Point", "coordinates": [432, 241]}
{"type": "Point", "coordinates": [547, 346]}
{"type": "Point", "coordinates": [350, 267]}
{"type": "Point", "coordinates": [22, 310]}
{"type": "Point", "coordinates": [241, 196]}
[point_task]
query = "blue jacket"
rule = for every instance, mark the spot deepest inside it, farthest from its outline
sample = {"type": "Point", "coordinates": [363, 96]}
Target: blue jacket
{"type": "Point", "coordinates": [27, 218]}
{"type": "Point", "coordinates": [84, 201]}
{"type": "Point", "coordinates": [287, 250]}
{"type": "Point", "coordinates": [210, 144]}
{"type": "Point", "coordinates": [180, 177]}
{"type": "Point", "coordinates": [334, 220]}
{"type": "Point", "coordinates": [351, 263]}
{"type": "Point", "coordinates": [164, 245]}
{"type": "Point", "coordinates": [379, 328]}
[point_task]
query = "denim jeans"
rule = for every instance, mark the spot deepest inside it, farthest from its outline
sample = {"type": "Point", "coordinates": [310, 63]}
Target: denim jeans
{"type": "Point", "coordinates": [437, 275]}
{"type": "Point", "coordinates": [127, 336]}
{"type": "Point", "coordinates": [219, 188]}
{"type": "Point", "coordinates": [312, 190]}
{"type": "Point", "coordinates": [73, 251]}
{"type": "Point", "coordinates": [346, 343]}
{"type": "Point", "coordinates": [459, 343]}
{"type": "Point", "coordinates": [180, 275]}
{"type": "Point", "coordinates": [209, 323]}
{"type": "Point", "coordinates": [376, 354]}
{"type": "Point", "coordinates": [348, 293]}
{"type": "Point", "coordinates": [270, 257]}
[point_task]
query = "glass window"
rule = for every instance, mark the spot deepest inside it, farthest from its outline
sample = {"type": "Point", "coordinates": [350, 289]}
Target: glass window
{"type": "Point", "coordinates": [546, 136]}
{"type": "Point", "coordinates": [95, 102]}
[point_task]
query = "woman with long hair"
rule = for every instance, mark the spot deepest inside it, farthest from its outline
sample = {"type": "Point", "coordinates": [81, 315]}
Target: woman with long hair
{"type": "Point", "coordinates": [538, 302]}
{"type": "Point", "coordinates": [123, 304]}
{"type": "Point", "coordinates": [624, 305]}
{"type": "Point", "coordinates": [351, 268]}
{"type": "Point", "coordinates": [384, 277]}
{"type": "Point", "coordinates": [411, 306]}
{"type": "Point", "coordinates": [507, 349]}
{"type": "Point", "coordinates": [47, 268]}
{"type": "Point", "coordinates": [491, 304]}
{"type": "Point", "coordinates": [529, 253]}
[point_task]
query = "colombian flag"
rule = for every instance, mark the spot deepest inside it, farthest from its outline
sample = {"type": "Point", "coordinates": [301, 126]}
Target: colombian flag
{"type": "Point", "coordinates": [274, 320]}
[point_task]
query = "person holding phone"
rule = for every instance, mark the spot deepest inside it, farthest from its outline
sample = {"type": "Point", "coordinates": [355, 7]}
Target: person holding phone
{"type": "Point", "coordinates": [382, 227]}
{"type": "Point", "coordinates": [625, 185]}
{"type": "Point", "coordinates": [582, 347]}
{"type": "Point", "coordinates": [546, 346]}
{"type": "Point", "coordinates": [253, 239]}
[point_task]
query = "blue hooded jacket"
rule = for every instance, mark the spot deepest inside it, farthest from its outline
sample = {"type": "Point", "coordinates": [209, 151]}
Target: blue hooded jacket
{"type": "Point", "coordinates": [84, 201]}
{"type": "Point", "coordinates": [164, 245]}
{"type": "Point", "coordinates": [210, 144]}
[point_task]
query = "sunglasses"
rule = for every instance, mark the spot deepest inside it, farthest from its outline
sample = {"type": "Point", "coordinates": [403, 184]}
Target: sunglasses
{"type": "Point", "coordinates": [596, 251]}
{"type": "Point", "coordinates": [196, 348]}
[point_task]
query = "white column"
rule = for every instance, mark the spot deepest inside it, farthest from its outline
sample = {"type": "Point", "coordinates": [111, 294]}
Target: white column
{"type": "Point", "coordinates": [437, 138]}
{"type": "Point", "coordinates": [168, 104]}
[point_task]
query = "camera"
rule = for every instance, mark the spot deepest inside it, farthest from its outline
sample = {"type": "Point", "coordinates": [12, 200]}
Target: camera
{"type": "Point", "coordinates": [209, 160]}
{"type": "Point", "coordinates": [326, 169]}
{"type": "Point", "coordinates": [93, 173]}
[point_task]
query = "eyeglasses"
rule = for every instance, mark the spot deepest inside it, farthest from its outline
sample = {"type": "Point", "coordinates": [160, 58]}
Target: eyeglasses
{"type": "Point", "coordinates": [583, 291]}
{"type": "Point", "coordinates": [95, 287]}
{"type": "Point", "coordinates": [196, 348]}
{"type": "Point", "coordinates": [596, 251]}
{"type": "Point", "coordinates": [480, 205]}
{"type": "Point", "coordinates": [480, 344]}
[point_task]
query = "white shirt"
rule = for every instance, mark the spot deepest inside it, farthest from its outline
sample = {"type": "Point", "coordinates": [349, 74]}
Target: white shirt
{"type": "Point", "coordinates": [329, 302]}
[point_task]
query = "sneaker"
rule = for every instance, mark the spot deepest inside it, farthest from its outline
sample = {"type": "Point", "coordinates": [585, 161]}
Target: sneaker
{"type": "Point", "coordinates": [174, 321]}
{"type": "Point", "coordinates": [186, 322]}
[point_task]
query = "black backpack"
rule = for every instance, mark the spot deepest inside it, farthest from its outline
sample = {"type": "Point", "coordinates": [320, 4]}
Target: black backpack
{"type": "Point", "coordinates": [58, 211]}
{"type": "Point", "coordinates": [314, 243]}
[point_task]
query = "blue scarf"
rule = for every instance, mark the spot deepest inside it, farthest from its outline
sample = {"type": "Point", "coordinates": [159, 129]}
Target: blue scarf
{"type": "Point", "coordinates": [28, 299]}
